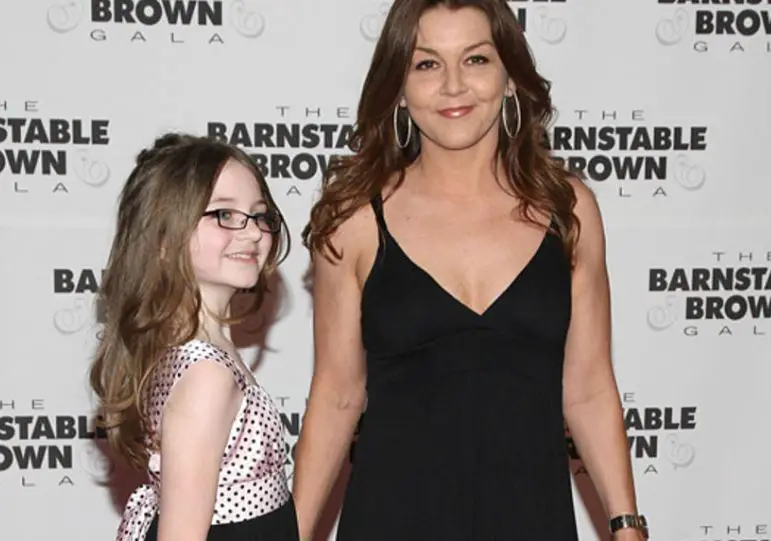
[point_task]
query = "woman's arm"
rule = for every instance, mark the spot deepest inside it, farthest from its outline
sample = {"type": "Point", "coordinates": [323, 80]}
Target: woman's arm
{"type": "Point", "coordinates": [338, 393]}
{"type": "Point", "coordinates": [592, 405]}
{"type": "Point", "coordinates": [197, 419]}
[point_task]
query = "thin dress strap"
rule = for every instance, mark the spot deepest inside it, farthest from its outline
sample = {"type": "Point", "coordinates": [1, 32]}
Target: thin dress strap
{"type": "Point", "coordinates": [377, 207]}
{"type": "Point", "coordinates": [383, 234]}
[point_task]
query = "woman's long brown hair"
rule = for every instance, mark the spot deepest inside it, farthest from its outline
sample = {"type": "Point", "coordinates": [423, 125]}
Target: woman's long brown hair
{"type": "Point", "coordinates": [149, 293]}
{"type": "Point", "coordinates": [534, 177]}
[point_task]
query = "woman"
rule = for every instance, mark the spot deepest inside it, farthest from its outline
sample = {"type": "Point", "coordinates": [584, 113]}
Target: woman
{"type": "Point", "coordinates": [456, 295]}
{"type": "Point", "coordinates": [196, 224]}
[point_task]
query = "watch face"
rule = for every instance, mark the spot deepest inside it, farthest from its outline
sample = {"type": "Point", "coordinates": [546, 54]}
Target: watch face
{"type": "Point", "coordinates": [629, 521]}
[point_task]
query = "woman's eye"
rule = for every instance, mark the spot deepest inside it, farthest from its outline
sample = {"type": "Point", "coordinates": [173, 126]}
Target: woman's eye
{"type": "Point", "coordinates": [425, 64]}
{"type": "Point", "coordinates": [478, 59]}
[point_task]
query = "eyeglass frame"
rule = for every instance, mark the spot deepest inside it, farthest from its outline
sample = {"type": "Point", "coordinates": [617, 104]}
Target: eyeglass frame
{"type": "Point", "coordinates": [254, 217]}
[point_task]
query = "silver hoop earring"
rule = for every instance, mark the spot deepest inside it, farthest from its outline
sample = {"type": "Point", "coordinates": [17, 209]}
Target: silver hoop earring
{"type": "Point", "coordinates": [505, 117]}
{"type": "Point", "coordinates": [396, 130]}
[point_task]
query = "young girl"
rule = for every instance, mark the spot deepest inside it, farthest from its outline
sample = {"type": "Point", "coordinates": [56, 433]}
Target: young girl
{"type": "Point", "coordinates": [196, 223]}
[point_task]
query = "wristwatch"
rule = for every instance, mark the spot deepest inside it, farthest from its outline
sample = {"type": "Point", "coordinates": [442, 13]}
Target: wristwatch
{"type": "Point", "coordinates": [629, 521]}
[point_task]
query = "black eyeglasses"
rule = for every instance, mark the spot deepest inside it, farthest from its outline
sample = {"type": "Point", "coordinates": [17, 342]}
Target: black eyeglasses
{"type": "Point", "coordinates": [268, 221]}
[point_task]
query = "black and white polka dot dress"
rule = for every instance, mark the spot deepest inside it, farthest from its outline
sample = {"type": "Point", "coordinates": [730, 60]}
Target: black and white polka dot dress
{"type": "Point", "coordinates": [253, 499]}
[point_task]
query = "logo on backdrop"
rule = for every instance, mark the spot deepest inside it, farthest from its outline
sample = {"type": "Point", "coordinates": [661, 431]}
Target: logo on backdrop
{"type": "Point", "coordinates": [292, 411]}
{"type": "Point", "coordinates": [42, 153]}
{"type": "Point", "coordinates": [294, 148]}
{"type": "Point", "coordinates": [657, 435]}
{"type": "Point", "coordinates": [40, 448]}
{"type": "Point", "coordinates": [730, 295]}
{"type": "Point", "coordinates": [706, 26]}
{"type": "Point", "coordinates": [631, 149]}
{"type": "Point", "coordinates": [76, 310]}
{"type": "Point", "coordinates": [534, 17]}
{"type": "Point", "coordinates": [744, 530]}
{"type": "Point", "coordinates": [158, 21]}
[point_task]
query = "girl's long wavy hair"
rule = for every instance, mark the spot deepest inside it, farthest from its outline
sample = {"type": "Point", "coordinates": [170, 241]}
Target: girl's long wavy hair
{"type": "Point", "coordinates": [535, 178]}
{"type": "Point", "coordinates": [149, 292]}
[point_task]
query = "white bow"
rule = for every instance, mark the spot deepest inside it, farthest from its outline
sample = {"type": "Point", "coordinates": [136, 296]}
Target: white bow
{"type": "Point", "coordinates": [139, 513]}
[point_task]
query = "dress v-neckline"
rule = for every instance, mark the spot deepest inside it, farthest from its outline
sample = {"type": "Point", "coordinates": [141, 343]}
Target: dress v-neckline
{"type": "Point", "coordinates": [447, 293]}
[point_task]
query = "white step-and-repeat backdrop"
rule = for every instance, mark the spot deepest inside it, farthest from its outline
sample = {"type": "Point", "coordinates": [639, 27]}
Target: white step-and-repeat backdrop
{"type": "Point", "coordinates": [666, 106]}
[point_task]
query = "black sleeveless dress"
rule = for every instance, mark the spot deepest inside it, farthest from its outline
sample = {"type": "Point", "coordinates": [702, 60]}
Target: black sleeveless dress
{"type": "Point", "coordinates": [463, 438]}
